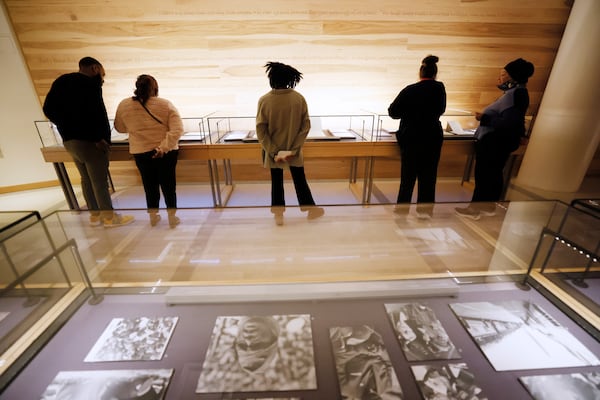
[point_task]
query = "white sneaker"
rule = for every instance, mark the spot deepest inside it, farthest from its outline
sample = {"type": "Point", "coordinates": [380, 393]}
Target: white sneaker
{"type": "Point", "coordinates": [488, 213]}
{"type": "Point", "coordinates": [467, 212]}
{"type": "Point", "coordinates": [118, 220]}
{"type": "Point", "coordinates": [423, 215]}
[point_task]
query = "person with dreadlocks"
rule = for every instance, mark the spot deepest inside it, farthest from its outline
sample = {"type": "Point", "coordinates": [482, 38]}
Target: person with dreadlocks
{"type": "Point", "coordinates": [282, 124]}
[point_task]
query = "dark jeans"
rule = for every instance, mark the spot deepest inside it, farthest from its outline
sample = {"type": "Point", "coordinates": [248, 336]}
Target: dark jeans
{"type": "Point", "coordinates": [489, 171]}
{"type": "Point", "coordinates": [419, 161]}
{"type": "Point", "coordinates": [302, 190]}
{"type": "Point", "coordinates": [92, 164]}
{"type": "Point", "coordinates": [158, 174]}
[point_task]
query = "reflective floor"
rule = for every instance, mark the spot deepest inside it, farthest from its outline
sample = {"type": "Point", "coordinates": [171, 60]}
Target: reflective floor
{"type": "Point", "coordinates": [241, 243]}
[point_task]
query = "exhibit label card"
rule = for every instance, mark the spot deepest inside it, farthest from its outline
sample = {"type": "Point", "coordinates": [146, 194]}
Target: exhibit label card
{"type": "Point", "coordinates": [109, 384]}
{"type": "Point", "coordinates": [519, 334]}
{"type": "Point", "coordinates": [259, 353]}
{"type": "Point", "coordinates": [567, 386]}
{"type": "Point", "coordinates": [420, 333]}
{"type": "Point", "coordinates": [449, 381]}
{"type": "Point", "coordinates": [363, 365]}
{"type": "Point", "coordinates": [133, 339]}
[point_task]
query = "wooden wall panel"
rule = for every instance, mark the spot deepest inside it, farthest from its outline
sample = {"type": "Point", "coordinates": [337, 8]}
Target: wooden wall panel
{"type": "Point", "coordinates": [355, 55]}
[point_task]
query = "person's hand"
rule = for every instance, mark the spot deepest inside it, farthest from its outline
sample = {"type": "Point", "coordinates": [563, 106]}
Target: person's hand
{"type": "Point", "coordinates": [158, 153]}
{"type": "Point", "coordinates": [103, 146]}
{"type": "Point", "coordinates": [283, 156]}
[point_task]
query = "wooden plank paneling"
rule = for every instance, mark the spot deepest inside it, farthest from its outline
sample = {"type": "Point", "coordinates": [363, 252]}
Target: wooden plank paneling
{"type": "Point", "coordinates": [355, 55]}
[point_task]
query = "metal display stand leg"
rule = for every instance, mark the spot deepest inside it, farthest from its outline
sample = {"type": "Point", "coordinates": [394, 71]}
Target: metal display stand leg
{"type": "Point", "coordinates": [67, 187]}
{"type": "Point", "coordinates": [96, 299]}
{"type": "Point", "coordinates": [368, 180]}
{"type": "Point", "coordinates": [31, 300]}
{"type": "Point", "coordinates": [212, 183]}
{"type": "Point", "coordinates": [592, 258]}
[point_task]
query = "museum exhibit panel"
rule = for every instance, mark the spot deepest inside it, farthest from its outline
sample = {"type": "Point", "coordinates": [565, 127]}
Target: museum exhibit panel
{"type": "Point", "coordinates": [390, 304]}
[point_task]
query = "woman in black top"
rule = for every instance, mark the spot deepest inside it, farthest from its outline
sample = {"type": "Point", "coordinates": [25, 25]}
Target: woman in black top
{"type": "Point", "coordinates": [419, 107]}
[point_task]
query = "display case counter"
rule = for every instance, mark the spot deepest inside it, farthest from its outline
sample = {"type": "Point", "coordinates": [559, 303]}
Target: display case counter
{"type": "Point", "coordinates": [359, 148]}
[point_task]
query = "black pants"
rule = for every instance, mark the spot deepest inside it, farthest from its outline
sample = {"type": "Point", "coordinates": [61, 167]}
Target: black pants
{"type": "Point", "coordinates": [490, 160]}
{"type": "Point", "coordinates": [158, 174]}
{"type": "Point", "coordinates": [300, 184]}
{"type": "Point", "coordinates": [419, 161]}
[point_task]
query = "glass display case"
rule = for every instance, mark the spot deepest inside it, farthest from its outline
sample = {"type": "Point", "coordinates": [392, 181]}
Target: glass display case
{"type": "Point", "coordinates": [323, 128]}
{"type": "Point", "coordinates": [456, 125]}
{"type": "Point", "coordinates": [48, 133]}
{"type": "Point", "coordinates": [194, 131]}
{"type": "Point", "coordinates": [166, 304]}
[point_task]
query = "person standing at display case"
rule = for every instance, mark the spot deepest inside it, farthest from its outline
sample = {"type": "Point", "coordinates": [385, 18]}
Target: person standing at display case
{"type": "Point", "coordinates": [500, 131]}
{"type": "Point", "coordinates": [154, 127]}
{"type": "Point", "coordinates": [420, 136]}
{"type": "Point", "coordinates": [282, 124]}
{"type": "Point", "coordinates": [75, 105]}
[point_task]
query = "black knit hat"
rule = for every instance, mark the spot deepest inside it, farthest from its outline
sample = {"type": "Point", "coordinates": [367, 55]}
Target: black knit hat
{"type": "Point", "coordinates": [520, 70]}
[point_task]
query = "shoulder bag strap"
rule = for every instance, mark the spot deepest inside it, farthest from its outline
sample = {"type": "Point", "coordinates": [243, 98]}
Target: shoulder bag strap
{"type": "Point", "coordinates": [149, 113]}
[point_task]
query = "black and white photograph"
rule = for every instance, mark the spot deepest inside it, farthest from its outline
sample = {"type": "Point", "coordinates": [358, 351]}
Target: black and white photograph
{"type": "Point", "coordinates": [563, 387]}
{"type": "Point", "coordinates": [363, 366]}
{"type": "Point", "coordinates": [420, 333]}
{"type": "Point", "coordinates": [259, 353]}
{"type": "Point", "coordinates": [518, 334]}
{"type": "Point", "coordinates": [143, 384]}
{"type": "Point", "coordinates": [133, 339]}
{"type": "Point", "coordinates": [447, 382]}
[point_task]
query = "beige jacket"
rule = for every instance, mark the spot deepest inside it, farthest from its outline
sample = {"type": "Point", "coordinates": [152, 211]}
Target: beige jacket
{"type": "Point", "coordinates": [145, 133]}
{"type": "Point", "coordinates": [282, 123]}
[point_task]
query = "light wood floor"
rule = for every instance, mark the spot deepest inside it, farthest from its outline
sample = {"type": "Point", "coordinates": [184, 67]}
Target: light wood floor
{"type": "Point", "coordinates": [240, 243]}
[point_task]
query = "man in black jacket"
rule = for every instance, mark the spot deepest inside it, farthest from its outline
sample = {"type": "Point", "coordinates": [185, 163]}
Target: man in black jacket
{"type": "Point", "coordinates": [75, 105]}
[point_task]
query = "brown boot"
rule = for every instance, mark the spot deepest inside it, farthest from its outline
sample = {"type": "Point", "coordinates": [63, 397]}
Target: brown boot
{"type": "Point", "coordinates": [154, 217]}
{"type": "Point", "coordinates": [173, 219]}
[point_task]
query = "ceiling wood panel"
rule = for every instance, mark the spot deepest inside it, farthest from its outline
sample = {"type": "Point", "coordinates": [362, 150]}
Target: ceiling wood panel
{"type": "Point", "coordinates": [355, 55]}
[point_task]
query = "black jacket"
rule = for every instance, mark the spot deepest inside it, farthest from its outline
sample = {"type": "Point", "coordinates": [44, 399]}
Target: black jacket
{"type": "Point", "coordinates": [75, 105]}
{"type": "Point", "coordinates": [419, 107]}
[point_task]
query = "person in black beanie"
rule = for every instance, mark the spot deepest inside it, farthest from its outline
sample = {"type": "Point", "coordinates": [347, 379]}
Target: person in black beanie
{"type": "Point", "coordinates": [501, 129]}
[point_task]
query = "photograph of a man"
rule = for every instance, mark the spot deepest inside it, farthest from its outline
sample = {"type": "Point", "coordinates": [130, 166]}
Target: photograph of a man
{"type": "Point", "coordinates": [363, 364]}
{"type": "Point", "coordinates": [420, 333]}
{"type": "Point", "coordinates": [259, 353]}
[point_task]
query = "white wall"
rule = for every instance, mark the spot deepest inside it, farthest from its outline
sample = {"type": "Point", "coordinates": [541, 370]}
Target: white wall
{"type": "Point", "coordinates": [21, 161]}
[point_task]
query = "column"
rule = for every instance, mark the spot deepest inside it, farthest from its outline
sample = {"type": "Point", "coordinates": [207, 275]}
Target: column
{"type": "Point", "coordinates": [567, 128]}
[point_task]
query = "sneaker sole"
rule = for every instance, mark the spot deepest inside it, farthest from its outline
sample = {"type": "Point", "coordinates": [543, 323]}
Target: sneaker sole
{"type": "Point", "coordinates": [117, 225]}
{"type": "Point", "coordinates": [473, 217]}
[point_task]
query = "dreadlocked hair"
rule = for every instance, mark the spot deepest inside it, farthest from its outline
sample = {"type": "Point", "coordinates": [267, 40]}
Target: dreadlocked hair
{"type": "Point", "coordinates": [282, 76]}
